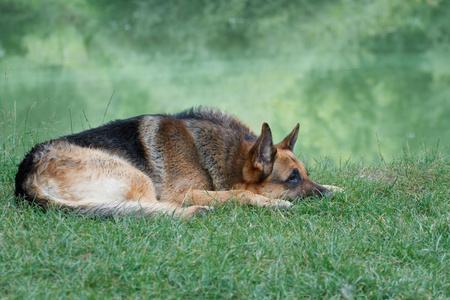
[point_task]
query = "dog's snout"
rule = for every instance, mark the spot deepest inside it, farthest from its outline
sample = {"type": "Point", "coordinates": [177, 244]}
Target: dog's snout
{"type": "Point", "coordinates": [323, 192]}
{"type": "Point", "coordinates": [316, 190]}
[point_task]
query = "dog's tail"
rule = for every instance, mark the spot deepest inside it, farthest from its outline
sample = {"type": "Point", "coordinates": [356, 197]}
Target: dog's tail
{"type": "Point", "coordinates": [116, 207]}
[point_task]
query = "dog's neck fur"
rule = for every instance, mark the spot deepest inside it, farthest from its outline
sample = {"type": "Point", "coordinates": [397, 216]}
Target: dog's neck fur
{"type": "Point", "coordinates": [226, 152]}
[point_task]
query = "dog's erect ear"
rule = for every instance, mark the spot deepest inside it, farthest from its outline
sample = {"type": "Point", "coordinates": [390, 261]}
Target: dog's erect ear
{"type": "Point", "coordinates": [263, 152]}
{"type": "Point", "coordinates": [289, 141]}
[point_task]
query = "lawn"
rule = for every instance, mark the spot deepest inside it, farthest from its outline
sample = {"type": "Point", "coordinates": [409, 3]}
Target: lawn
{"type": "Point", "coordinates": [387, 236]}
{"type": "Point", "coordinates": [367, 80]}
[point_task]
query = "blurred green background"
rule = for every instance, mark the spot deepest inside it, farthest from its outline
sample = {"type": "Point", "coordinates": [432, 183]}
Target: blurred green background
{"type": "Point", "coordinates": [362, 77]}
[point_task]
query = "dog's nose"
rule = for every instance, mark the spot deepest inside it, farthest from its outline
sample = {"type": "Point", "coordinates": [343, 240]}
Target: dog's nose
{"type": "Point", "coordinates": [328, 193]}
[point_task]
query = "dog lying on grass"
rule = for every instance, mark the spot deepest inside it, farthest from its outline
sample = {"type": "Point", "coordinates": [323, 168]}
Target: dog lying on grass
{"type": "Point", "coordinates": [178, 164]}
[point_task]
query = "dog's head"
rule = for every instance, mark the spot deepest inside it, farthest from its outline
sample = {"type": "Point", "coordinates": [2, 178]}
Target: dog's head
{"type": "Point", "coordinates": [273, 170]}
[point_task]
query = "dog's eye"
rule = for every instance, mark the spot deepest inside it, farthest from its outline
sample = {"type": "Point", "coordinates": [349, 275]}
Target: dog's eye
{"type": "Point", "coordinates": [294, 178]}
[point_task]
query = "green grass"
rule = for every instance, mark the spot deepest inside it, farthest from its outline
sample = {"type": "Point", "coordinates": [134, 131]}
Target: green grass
{"type": "Point", "coordinates": [388, 236]}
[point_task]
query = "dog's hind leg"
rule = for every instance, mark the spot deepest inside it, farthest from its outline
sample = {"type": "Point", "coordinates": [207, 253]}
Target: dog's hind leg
{"type": "Point", "coordinates": [93, 181]}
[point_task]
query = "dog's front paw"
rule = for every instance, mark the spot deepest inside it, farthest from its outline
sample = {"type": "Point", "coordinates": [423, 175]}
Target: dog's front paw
{"type": "Point", "coordinates": [334, 189]}
{"type": "Point", "coordinates": [277, 204]}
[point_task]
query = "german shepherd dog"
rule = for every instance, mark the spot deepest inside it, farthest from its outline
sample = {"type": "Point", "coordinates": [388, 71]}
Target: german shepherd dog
{"type": "Point", "coordinates": [178, 164]}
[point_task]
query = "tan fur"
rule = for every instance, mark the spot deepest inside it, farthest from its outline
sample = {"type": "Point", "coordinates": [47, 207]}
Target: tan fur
{"type": "Point", "coordinates": [190, 165]}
